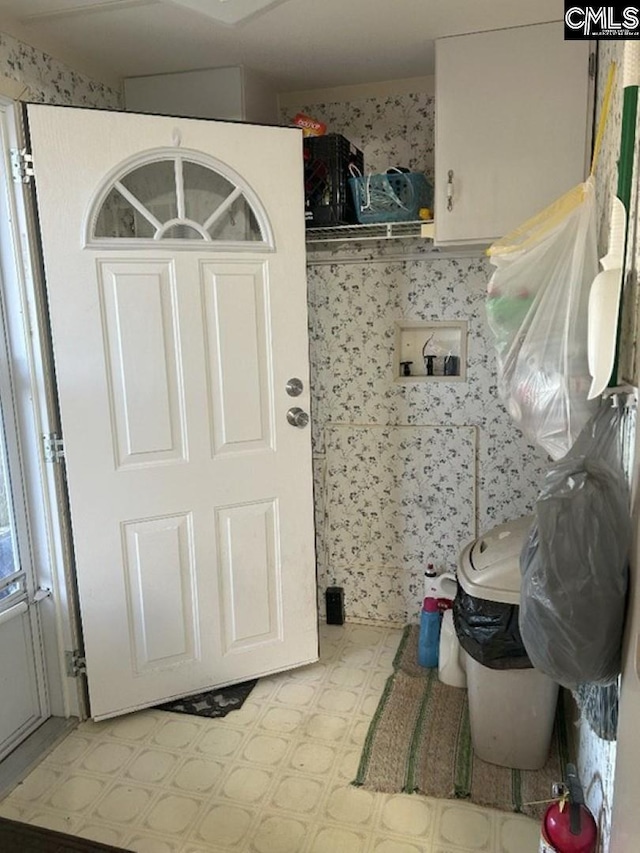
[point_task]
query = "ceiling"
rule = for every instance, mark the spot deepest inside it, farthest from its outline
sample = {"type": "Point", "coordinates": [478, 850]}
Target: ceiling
{"type": "Point", "coordinates": [298, 44]}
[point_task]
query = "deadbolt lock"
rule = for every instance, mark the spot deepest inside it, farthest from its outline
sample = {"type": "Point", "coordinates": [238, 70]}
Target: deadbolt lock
{"type": "Point", "coordinates": [294, 387]}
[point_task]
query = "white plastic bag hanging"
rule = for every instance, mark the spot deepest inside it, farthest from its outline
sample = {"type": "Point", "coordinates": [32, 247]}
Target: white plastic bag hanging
{"type": "Point", "coordinates": [537, 311]}
{"type": "Point", "coordinates": [537, 308]}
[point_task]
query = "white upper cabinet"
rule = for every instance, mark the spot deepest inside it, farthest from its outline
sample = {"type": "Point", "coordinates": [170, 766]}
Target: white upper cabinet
{"type": "Point", "coordinates": [513, 126]}
{"type": "Point", "coordinates": [233, 93]}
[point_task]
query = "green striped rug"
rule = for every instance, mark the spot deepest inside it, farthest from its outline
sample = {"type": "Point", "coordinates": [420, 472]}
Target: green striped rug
{"type": "Point", "coordinates": [419, 741]}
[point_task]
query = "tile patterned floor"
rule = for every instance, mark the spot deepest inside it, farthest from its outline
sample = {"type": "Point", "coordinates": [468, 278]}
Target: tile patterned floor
{"type": "Point", "coordinates": [271, 778]}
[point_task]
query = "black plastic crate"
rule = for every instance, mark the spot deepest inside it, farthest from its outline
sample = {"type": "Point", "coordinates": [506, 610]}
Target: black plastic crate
{"type": "Point", "coordinates": [328, 199]}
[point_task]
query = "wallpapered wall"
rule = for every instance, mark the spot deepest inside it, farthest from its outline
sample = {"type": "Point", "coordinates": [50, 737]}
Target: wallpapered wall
{"type": "Point", "coordinates": [392, 492]}
{"type": "Point", "coordinates": [50, 81]}
{"type": "Point", "coordinates": [389, 503]}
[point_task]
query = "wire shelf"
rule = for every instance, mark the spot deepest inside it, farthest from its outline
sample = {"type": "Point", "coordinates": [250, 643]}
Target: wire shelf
{"type": "Point", "coordinates": [371, 231]}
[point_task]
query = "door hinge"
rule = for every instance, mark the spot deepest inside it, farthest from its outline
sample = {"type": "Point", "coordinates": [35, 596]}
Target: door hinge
{"type": "Point", "coordinates": [592, 64]}
{"type": "Point", "coordinates": [40, 594]}
{"type": "Point", "coordinates": [53, 446]}
{"type": "Point", "coordinates": [21, 165]}
{"type": "Point", "coordinates": [75, 664]}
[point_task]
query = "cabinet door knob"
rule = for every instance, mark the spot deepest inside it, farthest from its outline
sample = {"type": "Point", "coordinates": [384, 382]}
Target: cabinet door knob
{"type": "Point", "coordinates": [450, 190]}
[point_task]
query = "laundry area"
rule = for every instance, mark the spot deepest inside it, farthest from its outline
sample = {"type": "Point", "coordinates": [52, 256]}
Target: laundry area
{"type": "Point", "coordinates": [319, 525]}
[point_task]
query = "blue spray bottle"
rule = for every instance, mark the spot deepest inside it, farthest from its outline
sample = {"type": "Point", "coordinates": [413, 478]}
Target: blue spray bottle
{"type": "Point", "coordinates": [429, 639]}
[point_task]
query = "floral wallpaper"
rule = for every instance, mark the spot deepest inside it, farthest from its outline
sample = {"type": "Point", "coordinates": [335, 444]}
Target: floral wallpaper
{"type": "Point", "coordinates": [476, 472]}
{"type": "Point", "coordinates": [396, 495]}
{"type": "Point", "coordinates": [50, 81]}
{"type": "Point", "coordinates": [392, 131]}
{"type": "Point", "coordinates": [405, 473]}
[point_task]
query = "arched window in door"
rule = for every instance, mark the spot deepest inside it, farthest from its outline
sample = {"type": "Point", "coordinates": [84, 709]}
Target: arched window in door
{"type": "Point", "coordinates": [178, 196]}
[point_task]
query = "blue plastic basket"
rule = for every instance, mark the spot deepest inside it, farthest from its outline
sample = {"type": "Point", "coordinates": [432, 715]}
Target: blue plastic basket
{"type": "Point", "coordinates": [390, 197]}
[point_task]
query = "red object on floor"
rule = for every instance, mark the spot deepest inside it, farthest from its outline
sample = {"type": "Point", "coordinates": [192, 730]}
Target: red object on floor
{"type": "Point", "coordinates": [557, 836]}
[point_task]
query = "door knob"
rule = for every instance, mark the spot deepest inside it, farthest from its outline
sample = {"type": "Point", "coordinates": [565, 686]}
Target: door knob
{"type": "Point", "coordinates": [294, 387]}
{"type": "Point", "coordinates": [297, 417]}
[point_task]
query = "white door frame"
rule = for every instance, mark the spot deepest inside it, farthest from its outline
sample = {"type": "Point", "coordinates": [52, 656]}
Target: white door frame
{"type": "Point", "coordinates": [36, 411]}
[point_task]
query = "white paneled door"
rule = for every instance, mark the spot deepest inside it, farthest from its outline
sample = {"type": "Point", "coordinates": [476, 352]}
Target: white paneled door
{"type": "Point", "coordinates": [175, 268]}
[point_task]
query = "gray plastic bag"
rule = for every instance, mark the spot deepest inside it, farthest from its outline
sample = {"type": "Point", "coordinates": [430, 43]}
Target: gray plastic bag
{"type": "Point", "coordinates": [575, 561]}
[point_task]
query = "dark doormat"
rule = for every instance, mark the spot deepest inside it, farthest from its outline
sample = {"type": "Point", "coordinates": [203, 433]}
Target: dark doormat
{"type": "Point", "coordinates": [18, 837]}
{"type": "Point", "coordinates": [212, 703]}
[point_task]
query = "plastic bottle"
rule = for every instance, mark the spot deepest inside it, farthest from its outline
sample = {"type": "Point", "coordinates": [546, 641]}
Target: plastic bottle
{"type": "Point", "coordinates": [429, 639]}
{"type": "Point", "coordinates": [446, 586]}
{"type": "Point", "coordinates": [437, 585]}
{"type": "Point", "coordinates": [430, 576]}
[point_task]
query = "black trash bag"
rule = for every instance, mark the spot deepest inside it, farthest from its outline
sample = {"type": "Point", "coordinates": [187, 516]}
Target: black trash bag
{"type": "Point", "coordinates": [488, 631]}
{"type": "Point", "coordinates": [574, 563]}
